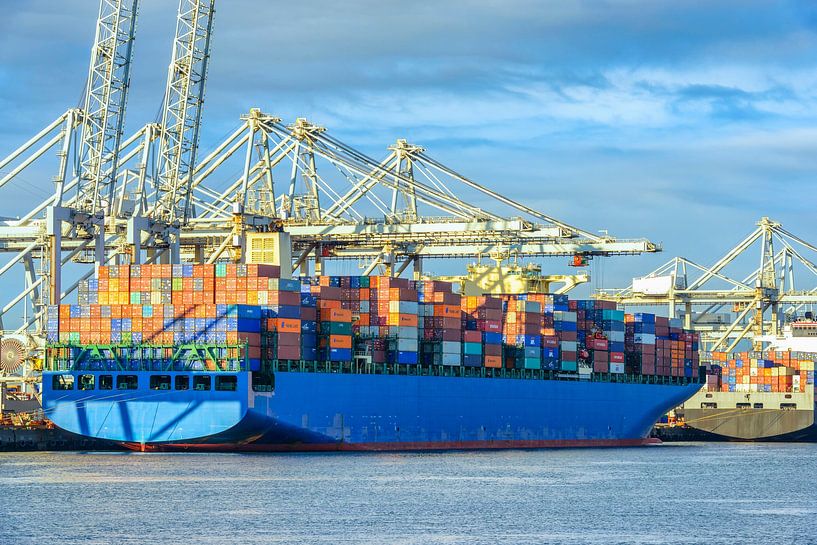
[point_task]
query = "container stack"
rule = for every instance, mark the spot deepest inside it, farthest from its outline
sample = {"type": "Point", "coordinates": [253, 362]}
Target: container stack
{"type": "Point", "coordinates": [777, 372]}
{"type": "Point", "coordinates": [482, 319]}
{"type": "Point", "coordinates": [282, 314]}
{"type": "Point", "coordinates": [565, 323]}
{"type": "Point", "coordinates": [442, 338]}
{"type": "Point", "coordinates": [309, 322]}
{"type": "Point", "coordinates": [600, 335]}
{"type": "Point", "coordinates": [639, 343]}
{"type": "Point", "coordinates": [398, 315]}
{"type": "Point", "coordinates": [334, 324]}
{"type": "Point", "coordinates": [392, 320]}
{"type": "Point", "coordinates": [522, 332]}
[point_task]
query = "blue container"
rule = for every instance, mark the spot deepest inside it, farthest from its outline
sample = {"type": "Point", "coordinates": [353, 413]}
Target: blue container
{"type": "Point", "coordinates": [255, 364]}
{"type": "Point", "coordinates": [402, 357]}
{"type": "Point", "coordinates": [550, 353]}
{"type": "Point", "coordinates": [309, 353]}
{"type": "Point", "coordinates": [345, 354]}
{"type": "Point", "coordinates": [246, 325]}
{"type": "Point", "coordinates": [285, 311]}
{"type": "Point", "coordinates": [308, 300]}
{"type": "Point", "coordinates": [551, 364]}
{"type": "Point", "coordinates": [529, 340]}
{"type": "Point", "coordinates": [309, 340]}
{"type": "Point", "coordinates": [615, 346]}
{"type": "Point", "coordinates": [248, 311]}
{"type": "Point", "coordinates": [472, 360]}
{"type": "Point", "coordinates": [491, 337]}
{"type": "Point", "coordinates": [309, 326]}
{"type": "Point", "coordinates": [566, 326]}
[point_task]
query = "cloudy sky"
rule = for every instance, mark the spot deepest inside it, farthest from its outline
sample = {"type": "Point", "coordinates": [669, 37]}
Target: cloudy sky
{"type": "Point", "coordinates": [682, 122]}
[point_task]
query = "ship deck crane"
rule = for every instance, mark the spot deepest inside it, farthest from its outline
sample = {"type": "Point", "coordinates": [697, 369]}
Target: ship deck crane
{"type": "Point", "coordinates": [756, 304]}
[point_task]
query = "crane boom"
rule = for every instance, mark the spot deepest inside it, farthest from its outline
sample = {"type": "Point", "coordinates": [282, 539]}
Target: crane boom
{"type": "Point", "coordinates": [105, 103]}
{"type": "Point", "coordinates": [181, 118]}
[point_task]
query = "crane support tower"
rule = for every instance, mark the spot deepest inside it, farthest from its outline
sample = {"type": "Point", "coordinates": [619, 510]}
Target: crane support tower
{"type": "Point", "coordinates": [152, 192]}
{"type": "Point", "coordinates": [728, 309]}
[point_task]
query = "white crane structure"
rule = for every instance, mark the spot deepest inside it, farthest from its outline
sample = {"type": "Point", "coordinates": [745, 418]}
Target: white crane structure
{"type": "Point", "coordinates": [728, 309]}
{"type": "Point", "coordinates": [153, 192]}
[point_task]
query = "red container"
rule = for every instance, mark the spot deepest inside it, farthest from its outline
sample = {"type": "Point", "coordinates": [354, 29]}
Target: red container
{"type": "Point", "coordinates": [472, 336]}
{"type": "Point", "coordinates": [601, 356]}
{"type": "Point", "coordinates": [289, 339]}
{"type": "Point", "coordinates": [289, 352]}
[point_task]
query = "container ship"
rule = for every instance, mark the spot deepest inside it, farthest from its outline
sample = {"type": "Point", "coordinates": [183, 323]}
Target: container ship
{"type": "Point", "coordinates": [761, 396]}
{"type": "Point", "coordinates": [235, 357]}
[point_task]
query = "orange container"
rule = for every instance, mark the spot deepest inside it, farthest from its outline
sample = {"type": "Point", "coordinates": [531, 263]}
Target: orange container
{"type": "Point", "coordinates": [336, 314]}
{"type": "Point", "coordinates": [325, 304]}
{"type": "Point", "coordinates": [285, 325]}
{"type": "Point", "coordinates": [494, 362]}
{"type": "Point", "coordinates": [340, 341]}
{"type": "Point", "coordinates": [403, 320]}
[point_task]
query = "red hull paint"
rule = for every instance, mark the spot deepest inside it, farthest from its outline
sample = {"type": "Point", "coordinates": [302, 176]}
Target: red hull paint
{"type": "Point", "coordinates": [391, 447]}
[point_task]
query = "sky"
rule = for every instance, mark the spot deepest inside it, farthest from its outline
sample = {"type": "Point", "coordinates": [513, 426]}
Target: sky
{"type": "Point", "coordinates": [680, 122]}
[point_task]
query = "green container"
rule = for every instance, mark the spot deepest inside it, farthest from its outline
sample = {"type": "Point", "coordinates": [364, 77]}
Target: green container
{"type": "Point", "coordinates": [532, 363]}
{"type": "Point", "coordinates": [178, 284]}
{"type": "Point", "coordinates": [73, 337]}
{"type": "Point", "coordinates": [127, 336]}
{"type": "Point", "coordinates": [135, 298]}
{"type": "Point", "coordinates": [221, 270]}
{"type": "Point", "coordinates": [336, 328]}
{"type": "Point", "coordinates": [569, 366]}
{"type": "Point", "coordinates": [474, 349]}
{"type": "Point", "coordinates": [364, 282]}
{"type": "Point", "coordinates": [612, 315]}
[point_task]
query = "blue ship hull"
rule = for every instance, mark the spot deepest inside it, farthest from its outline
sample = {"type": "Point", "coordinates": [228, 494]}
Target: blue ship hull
{"type": "Point", "coordinates": [335, 411]}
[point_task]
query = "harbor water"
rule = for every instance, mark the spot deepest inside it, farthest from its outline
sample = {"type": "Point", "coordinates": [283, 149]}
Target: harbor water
{"type": "Point", "coordinates": [673, 493]}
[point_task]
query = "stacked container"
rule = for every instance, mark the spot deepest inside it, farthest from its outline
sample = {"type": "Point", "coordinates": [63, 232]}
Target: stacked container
{"type": "Point", "coordinates": [482, 319]}
{"type": "Point", "coordinates": [777, 372]}
{"type": "Point", "coordinates": [522, 332]}
{"type": "Point", "coordinates": [442, 339]}
{"type": "Point", "coordinates": [392, 320]}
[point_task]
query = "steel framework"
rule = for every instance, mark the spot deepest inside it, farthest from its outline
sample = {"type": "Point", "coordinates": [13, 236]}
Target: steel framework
{"type": "Point", "coordinates": [156, 194]}
{"type": "Point", "coordinates": [758, 304]}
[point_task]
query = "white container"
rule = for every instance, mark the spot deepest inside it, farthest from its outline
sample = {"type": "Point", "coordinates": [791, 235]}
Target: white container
{"type": "Point", "coordinates": [564, 316]}
{"type": "Point", "coordinates": [644, 338]}
{"type": "Point", "coordinates": [568, 346]}
{"type": "Point", "coordinates": [451, 347]}
{"type": "Point", "coordinates": [617, 368]}
{"type": "Point", "coordinates": [405, 332]}
{"type": "Point", "coordinates": [407, 345]}
{"type": "Point", "coordinates": [615, 336]}
{"type": "Point", "coordinates": [403, 307]}
{"type": "Point", "coordinates": [450, 359]}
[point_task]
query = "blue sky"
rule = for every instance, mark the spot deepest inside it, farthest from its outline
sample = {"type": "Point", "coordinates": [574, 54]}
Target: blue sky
{"type": "Point", "coordinates": [682, 122]}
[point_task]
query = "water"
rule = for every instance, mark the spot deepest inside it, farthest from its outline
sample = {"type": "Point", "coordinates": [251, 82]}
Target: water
{"type": "Point", "coordinates": [678, 493]}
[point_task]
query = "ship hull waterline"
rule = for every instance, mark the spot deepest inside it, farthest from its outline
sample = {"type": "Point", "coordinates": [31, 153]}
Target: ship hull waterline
{"type": "Point", "coordinates": [359, 412]}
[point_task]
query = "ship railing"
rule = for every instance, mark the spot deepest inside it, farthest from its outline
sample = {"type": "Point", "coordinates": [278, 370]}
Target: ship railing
{"type": "Point", "coordinates": [147, 357]}
{"type": "Point", "coordinates": [354, 367]}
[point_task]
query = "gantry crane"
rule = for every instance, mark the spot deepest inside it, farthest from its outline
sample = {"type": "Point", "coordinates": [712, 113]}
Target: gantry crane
{"type": "Point", "coordinates": [730, 309]}
{"type": "Point", "coordinates": [336, 202]}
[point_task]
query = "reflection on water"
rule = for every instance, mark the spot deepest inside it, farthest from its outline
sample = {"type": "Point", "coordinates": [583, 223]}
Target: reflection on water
{"type": "Point", "coordinates": [683, 493]}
